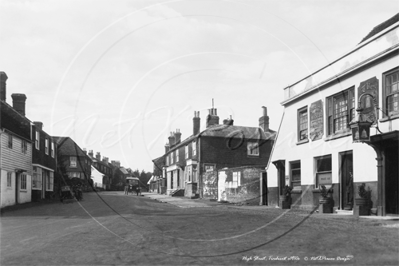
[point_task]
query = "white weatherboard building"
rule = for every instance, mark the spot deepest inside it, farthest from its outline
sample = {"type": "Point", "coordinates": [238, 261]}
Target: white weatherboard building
{"type": "Point", "coordinates": [315, 145]}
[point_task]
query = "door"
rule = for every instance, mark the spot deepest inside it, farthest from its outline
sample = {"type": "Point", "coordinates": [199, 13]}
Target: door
{"type": "Point", "coordinates": [264, 188]}
{"type": "Point", "coordinates": [391, 179]}
{"type": "Point", "coordinates": [346, 181]}
{"type": "Point", "coordinates": [221, 186]}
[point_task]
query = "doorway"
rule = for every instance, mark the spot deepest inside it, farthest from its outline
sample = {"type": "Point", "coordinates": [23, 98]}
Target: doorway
{"type": "Point", "coordinates": [346, 187]}
{"type": "Point", "coordinates": [391, 179]}
{"type": "Point", "coordinates": [264, 188]}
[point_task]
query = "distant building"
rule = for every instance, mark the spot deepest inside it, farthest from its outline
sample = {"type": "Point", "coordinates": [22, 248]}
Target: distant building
{"type": "Point", "coordinates": [192, 165]}
{"type": "Point", "coordinates": [15, 149]}
{"type": "Point", "coordinates": [72, 161]}
{"type": "Point", "coordinates": [104, 167]}
{"type": "Point", "coordinates": [315, 144]}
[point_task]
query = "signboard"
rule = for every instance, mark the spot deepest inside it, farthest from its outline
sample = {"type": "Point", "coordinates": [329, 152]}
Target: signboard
{"type": "Point", "coordinates": [209, 167]}
{"type": "Point", "coordinates": [324, 178]}
{"type": "Point", "coordinates": [316, 120]}
{"type": "Point", "coordinates": [368, 99]}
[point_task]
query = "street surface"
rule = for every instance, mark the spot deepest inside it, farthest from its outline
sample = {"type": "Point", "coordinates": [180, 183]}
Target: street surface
{"type": "Point", "coordinates": [110, 228]}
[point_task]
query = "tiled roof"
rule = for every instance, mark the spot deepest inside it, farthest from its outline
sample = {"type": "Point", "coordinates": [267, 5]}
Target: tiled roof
{"type": "Point", "coordinates": [227, 131]}
{"type": "Point", "coordinates": [66, 146]}
{"type": "Point", "coordinates": [382, 27]}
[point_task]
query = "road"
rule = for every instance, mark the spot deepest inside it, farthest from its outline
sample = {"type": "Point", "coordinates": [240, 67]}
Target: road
{"type": "Point", "coordinates": [110, 228]}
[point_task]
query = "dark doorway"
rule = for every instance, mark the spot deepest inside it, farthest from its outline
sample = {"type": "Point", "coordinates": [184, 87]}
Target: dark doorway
{"type": "Point", "coordinates": [347, 180]}
{"type": "Point", "coordinates": [264, 188]}
{"type": "Point", "coordinates": [391, 179]}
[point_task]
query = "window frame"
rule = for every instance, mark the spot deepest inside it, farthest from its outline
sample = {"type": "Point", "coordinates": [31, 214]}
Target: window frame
{"type": "Point", "coordinates": [349, 96]}
{"type": "Point", "coordinates": [24, 146]}
{"type": "Point", "coordinates": [194, 148]}
{"type": "Point", "coordinates": [9, 179]}
{"type": "Point", "coordinates": [299, 123]}
{"type": "Point", "coordinates": [46, 146]}
{"type": "Point", "coordinates": [52, 149]}
{"type": "Point", "coordinates": [37, 140]}
{"type": "Point", "coordinates": [253, 149]}
{"type": "Point", "coordinates": [186, 151]}
{"type": "Point", "coordinates": [385, 95]}
{"type": "Point", "coordinates": [23, 184]}
{"type": "Point", "coordinates": [295, 184]}
{"type": "Point", "coordinates": [50, 181]}
{"type": "Point", "coordinates": [10, 141]}
{"type": "Point", "coordinates": [75, 165]}
{"type": "Point", "coordinates": [316, 165]}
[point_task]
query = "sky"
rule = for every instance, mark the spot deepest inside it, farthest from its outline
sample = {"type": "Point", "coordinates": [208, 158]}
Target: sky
{"type": "Point", "coordinates": [119, 76]}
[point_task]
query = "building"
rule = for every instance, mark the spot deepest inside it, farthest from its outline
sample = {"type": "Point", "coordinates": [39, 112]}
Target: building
{"type": "Point", "coordinates": [104, 167]}
{"type": "Point", "coordinates": [44, 163]}
{"type": "Point", "coordinates": [15, 149]}
{"type": "Point", "coordinates": [72, 162]}
{"type": "Point", "coordinates": [315, 144]}
{"type": "Point", "coordinates": [191, 165]}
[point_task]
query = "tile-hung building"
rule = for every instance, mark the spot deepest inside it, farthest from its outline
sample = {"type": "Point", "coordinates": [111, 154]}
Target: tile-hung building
{"type": "Point", "coordinates": [72, 161]}
{"type": "Point", "coordinates": [192, 165]}
{"type": "Point", "coordinates": [15, 149]}
{"type": "Point", "coordinates": [44, 163]}
{"type": "Point", "coordinates": [315, 146]}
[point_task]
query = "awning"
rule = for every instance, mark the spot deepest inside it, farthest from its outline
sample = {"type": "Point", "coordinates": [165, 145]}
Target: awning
{"type": "Point", "coordinates": [132, 178]}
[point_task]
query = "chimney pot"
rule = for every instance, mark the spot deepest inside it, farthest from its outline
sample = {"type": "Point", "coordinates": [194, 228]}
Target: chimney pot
{"type": "Point", "coordinates": [196, 123]}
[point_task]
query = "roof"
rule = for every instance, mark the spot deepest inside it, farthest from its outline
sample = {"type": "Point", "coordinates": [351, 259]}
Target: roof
{"type": "Point", "coordinates": [66, 146]}
{"type": "Point", "coordinates": [14, 121]}
{"type": "Point", "coordinates": [123, 170]}
{"type": "Point", "coordinates": [237, 132]}
{"type": "Point", "coordinates": [381, 27]}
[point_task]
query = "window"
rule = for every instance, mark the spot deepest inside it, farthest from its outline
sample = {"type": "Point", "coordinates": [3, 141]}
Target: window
{"type": "Point", "coordinates": [172, 155]}
{"type": "Point", "coordinates": [236, 180]}
{"type": "Point", "coordinates": [323, 170]}
{"type": "Point", "coordinates": [177, 156]}
{"type": "Point", "coordinates": [37, 178]}
{"type": "Point", "coordinates": [194, 147]}
{"type": "Point", "coordinates": [50, 181]}
{"type": "Point", "coordinates": [72, 162]}
{"type": "Point", "coordinates": [391, 92]}
{"type": "Point", "coordinates": [52, 149]}
{"type": "Point", "coordinates": [10, 141]}
{"type": "Point", "coordinates": [303, 124]}
{"type": "Point", "coordinates": [37, 140]}
{"type": "Point", "coordinates": [167, 160]}
{"type": "Point", "coordinates": [24, 146]}
{"type": "Point", "coordinates": [23, 181]}
{"type": "Point", "coordinates": [74, 174]}
{"type": "Point", "coordinates": [186, 151]}
{"type": "Point", "coordinates": [295, 170]}
{"type": "Point", "coordinates": [340, 111]}
{"type": "Point", "coordinates": [46, 146]}
{"type": "Point", "coordinates": [9, 179]}
{"type": "Point", "coordinates": [252, 149]}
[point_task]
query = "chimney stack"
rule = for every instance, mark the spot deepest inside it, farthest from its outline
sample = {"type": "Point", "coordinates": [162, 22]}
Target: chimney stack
{"type": "Point", "coordinates": [171, 139]}
{"type": "Point", "coordinates": [167, 148]}
{"type": "Point", "coordinates": [3, 91]}
{"type": "Point", "coordinates": [38, 125]}
{"type": "Point", "coordinates": [18, 102]}
{"type": "Point", "coordinates": [264, 120]}
{"type": "Point", "coordinates": [196, 123]}
{"type": "Point", "coordinates": [228, 121]}
{"type": "Point", "coordinates": [177, 136]}
{"type": "Point", "coordinates": [91, 153]}
{"type": "Point", "coordinates": [212, 118]}
{"type": "Point", "coordinates": [98, 156]}
{"type": "Point", "coordinates": [85, 151]}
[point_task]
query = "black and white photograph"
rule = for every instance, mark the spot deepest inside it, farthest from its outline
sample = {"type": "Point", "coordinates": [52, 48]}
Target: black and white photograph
{"type": "Point", "coordinates": [199, 132]}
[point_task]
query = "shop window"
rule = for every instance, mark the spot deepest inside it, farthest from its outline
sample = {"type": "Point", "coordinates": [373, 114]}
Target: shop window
{"type": "Point", "coordinates": [37, 178]}
{"type": "Point", "coordinates": [303, 124]}
{"type": "Point", "coordinates": [391, 92]}
{"type": "Point", "coordinates": [9, 179]}
{"type": "Point", "coordinates": [340, 111]}
{"type": "Point", "coordinates": [323, 171]}
{"type": "Point", "coordinates": [295, 174]}
{"type": "Point", "coordinates": [253, 149]}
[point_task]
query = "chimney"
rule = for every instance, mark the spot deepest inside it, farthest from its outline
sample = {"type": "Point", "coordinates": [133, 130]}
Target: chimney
{"type": "Point", "coordinates": [98, 156]}
{"type": "Point", "coordinates": [171, 139]}
{"type": "Point", "coordinates": [38, 125]}
{"type": "Point", "coordinates": [85, 151]}
{"type": "Point", "coordinates": [196, 123]}
{"type": "Point", "coordinates": [3, 91]}
{"type": "Point", "coordinates": [177, 136]}
{"type": "Point", "coordinates": [212, 118]}
{"type": "Point", "coordinates": [105, 159]}
{"type": "Point", "coordinates": [228, 121]}
{"type": "Point", "coordinates": [91, 153]}
{"type": "Point", "coordinates": [18, 102]}
{"type": "Point", "coordinates": [116, 163]}
{"type": "Point", "coordinates": [264, 120]}
{"type": "Point", "coordinates": [167, 147]}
